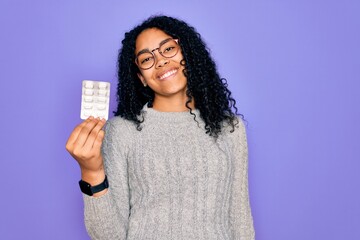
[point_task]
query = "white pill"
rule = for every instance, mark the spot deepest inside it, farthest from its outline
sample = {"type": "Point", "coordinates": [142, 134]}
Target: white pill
{"type": "Point", "coordinates": [102, 93]}
{"type": "Point", "coordinates": [100, 115]}
{"type": "Point", "coordinates": [89, 85]}
{"type": "Point", "coordinates": [101, 100]}
{"type": "Point", "coordinates": [88, 99]}
{"type": "Point", "coordinates": [88, 106]}
{"type": "Point", "coordinates": [89, 92]}
{"type": "Point", "coordinates": [101, 106]}
{"type": "Point", "coordinates": [102, 85]}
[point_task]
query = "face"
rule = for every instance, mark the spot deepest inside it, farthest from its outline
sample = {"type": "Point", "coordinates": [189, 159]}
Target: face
{"type": "Point", "coordinates": [165, 77]}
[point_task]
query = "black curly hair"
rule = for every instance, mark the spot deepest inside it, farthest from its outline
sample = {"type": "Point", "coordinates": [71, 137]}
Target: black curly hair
{"type": "Point", "coordinates": [204, 85]}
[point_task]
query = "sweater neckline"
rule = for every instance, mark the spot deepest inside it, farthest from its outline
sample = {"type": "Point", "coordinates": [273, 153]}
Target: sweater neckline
{"type": "Point", "coordinates": [171, 117]}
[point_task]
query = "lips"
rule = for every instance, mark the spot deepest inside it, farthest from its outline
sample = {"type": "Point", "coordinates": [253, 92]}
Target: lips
{"type": "Point", "coordinates": [167, 73]}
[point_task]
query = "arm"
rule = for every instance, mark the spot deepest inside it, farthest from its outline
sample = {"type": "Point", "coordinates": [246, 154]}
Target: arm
{"type": "Point", "coordinates": [240, 211]}
{"type": "Point", "coordinates": [106, 216]}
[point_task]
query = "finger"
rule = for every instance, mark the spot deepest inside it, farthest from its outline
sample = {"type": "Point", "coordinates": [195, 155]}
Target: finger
{"type": "Point", "coordinates": [99, 139]}
{"type": "Point", "coordinates": [93, 135]}
{"type": "Point", "coordinates": [84, 133]}
{"type": "Point", "coordinates": [75, 133]}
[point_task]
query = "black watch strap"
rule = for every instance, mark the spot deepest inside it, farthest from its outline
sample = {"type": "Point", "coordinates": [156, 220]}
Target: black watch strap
{"type": "Point", "coordinates": [90, 190]}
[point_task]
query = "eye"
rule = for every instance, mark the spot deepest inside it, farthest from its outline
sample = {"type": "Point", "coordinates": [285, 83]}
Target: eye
{"type": "Point", "coordinates": [145, 60]}
{"type": "Point", "coordinates": [169, 49]}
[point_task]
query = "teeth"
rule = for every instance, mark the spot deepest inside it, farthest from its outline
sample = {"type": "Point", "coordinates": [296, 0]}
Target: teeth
{"type": "Point", "coordinates": [168, 74]}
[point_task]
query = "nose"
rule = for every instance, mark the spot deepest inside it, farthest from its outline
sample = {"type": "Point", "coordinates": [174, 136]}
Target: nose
{"type": "Point", "coordinates": [160, 60]}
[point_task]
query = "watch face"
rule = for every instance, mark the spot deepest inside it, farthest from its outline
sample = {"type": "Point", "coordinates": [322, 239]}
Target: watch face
{"type": "Point", "coordinates": [85, 188]}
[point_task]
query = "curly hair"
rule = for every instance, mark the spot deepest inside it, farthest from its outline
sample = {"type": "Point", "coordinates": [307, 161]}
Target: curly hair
{"type": "Point", "coordinates": [204, 85]}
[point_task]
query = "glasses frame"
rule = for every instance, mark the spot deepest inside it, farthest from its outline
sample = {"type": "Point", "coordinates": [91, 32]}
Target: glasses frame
{"type": "Point", "coordinates": [158, 49]}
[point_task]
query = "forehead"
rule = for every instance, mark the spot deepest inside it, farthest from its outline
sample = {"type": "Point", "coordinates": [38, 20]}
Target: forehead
{"type": "Point", "coordinates": [150, 39]}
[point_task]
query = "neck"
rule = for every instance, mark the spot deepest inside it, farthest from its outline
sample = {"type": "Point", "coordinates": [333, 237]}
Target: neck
{"type": "Point", "coordinates": [165, 104]}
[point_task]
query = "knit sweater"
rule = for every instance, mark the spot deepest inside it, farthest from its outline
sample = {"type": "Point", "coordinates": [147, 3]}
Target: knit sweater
{"type": "Point", "coordinates": [171, 180]}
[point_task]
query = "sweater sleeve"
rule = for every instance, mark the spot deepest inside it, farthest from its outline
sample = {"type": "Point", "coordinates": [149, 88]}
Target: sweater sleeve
{"type": "Point", "coordinates": [240, 211]}
{"type": "Point", "coordinates": [106, 217]}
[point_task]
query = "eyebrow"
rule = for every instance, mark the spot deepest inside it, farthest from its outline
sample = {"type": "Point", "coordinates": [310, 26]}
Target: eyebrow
{"type": "Point", "coordinates": [147, 50]}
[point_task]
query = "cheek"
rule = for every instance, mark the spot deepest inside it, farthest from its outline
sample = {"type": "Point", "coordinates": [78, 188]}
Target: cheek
{"type": "Point", "coordinates": [179, 57]}
{"type": "Point", "coordinates": [146, 75]}
{"type": "Point", "coordinates": [179, 60]}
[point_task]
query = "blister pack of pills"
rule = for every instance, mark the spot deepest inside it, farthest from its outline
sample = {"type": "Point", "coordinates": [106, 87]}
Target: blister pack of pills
{"type": "Point", "coordinates": [95, 99]}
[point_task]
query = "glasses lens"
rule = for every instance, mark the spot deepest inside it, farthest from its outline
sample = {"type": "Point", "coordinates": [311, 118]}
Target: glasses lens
{"type": "Point", "coordinates": [145, 60]}
{"type": "Point", "coordinates": [169, 48]}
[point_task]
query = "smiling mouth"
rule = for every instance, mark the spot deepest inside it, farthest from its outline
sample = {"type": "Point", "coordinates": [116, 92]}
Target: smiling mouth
{"type": "Point", "coordinates": [168, 74]}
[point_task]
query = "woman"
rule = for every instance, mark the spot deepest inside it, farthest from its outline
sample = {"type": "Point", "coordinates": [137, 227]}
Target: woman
{"type": "Point", "coordinates": [174, 158]}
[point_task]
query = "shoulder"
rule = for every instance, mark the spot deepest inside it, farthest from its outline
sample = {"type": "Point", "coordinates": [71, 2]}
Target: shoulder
{"type": "Point", "coordinates": [117, 121]}
{"type": "Point", "coordinates": [234, 134]}
{"type": "Point", "coordinates": [118, 126]}
{"type": "Point", "coordinates": [238, 129]}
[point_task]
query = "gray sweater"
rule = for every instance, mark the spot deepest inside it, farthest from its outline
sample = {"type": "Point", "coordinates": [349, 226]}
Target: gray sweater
{"type": "Point", "coordinates": [171, 180]}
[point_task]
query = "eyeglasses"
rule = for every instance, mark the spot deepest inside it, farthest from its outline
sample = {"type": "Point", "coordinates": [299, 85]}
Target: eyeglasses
{"type": "Point", "coordinates": [168, 48]}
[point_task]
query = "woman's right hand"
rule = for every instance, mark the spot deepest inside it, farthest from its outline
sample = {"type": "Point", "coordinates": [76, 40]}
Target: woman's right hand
{"type": "Point", "coordinates": [84, 144]}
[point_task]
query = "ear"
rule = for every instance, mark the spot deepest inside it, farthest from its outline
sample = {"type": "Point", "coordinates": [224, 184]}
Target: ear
{"type": "Point", "coordinates": [141, 78]}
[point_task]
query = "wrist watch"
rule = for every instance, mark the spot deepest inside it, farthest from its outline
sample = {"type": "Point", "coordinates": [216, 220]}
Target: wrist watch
{"type": "Point", "coordinates": [90, 190]}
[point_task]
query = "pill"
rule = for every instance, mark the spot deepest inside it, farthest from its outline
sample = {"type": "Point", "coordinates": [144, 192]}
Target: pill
{"type": "Point", "coordinates": [102, 85]}
{"type": "Point", "coordinates": [88, 99]}
{"type": "Point", "coordinates": [101, 106]}
{"type": "Point", "coordinates": [100, 115]}
{"type": "Point", "coordinates": [89, 92]}
{"type": "Point", "coordinates": [89, 85]}
{"type": "Point", "coordinates": [102, 92]}
{"type": "Point", "coordinates": [101, 100]}
{"type": "Point", "coordinates": [88, 106]}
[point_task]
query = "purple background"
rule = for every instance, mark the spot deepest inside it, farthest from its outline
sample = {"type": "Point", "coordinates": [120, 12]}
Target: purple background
{"type": "Point", "coordinates": [293, 67]}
